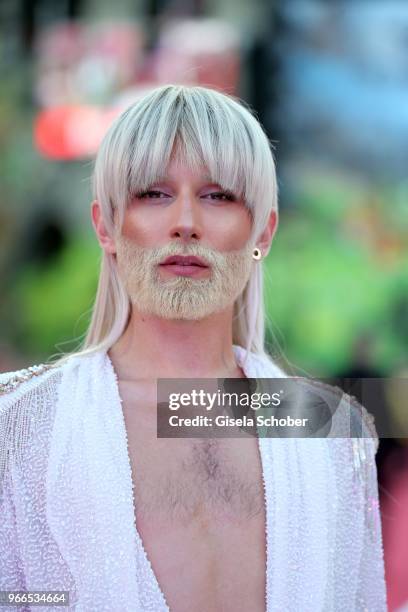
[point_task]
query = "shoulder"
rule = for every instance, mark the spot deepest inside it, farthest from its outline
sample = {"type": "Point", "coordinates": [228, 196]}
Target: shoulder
{"type": "Point", "coordinates": [16, 384]}
{"type": "Point", "coordinates": [35, 387]}
{"type": "Point", "coordinates": [9, 381]}
{"type": "Point", "coordinates": [347, 414]}
{"type": "Point", "coordinates": [17, 387]}
{"type": "Point", "coordinates": [26, 395]}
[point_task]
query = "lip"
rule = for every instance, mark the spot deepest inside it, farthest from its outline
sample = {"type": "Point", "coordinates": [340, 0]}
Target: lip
{"type": "Point", "coordinates": [184, 260]}
{"type": "Point", "coordinates": [182, 270]}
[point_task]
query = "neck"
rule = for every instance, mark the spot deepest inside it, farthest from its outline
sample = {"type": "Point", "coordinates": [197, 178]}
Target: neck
{"type": "Point", "coordinates": [152, 347]}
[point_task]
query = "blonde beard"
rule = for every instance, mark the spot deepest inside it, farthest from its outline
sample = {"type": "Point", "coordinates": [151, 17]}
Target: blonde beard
{"type": "Point", "coordinates": [182, 297]}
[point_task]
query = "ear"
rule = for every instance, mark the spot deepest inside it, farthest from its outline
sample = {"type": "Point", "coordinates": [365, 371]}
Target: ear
{"type": "Point", "coordinates": [265, 239]}
{"type": "Point", "coordinates": [104, 239]}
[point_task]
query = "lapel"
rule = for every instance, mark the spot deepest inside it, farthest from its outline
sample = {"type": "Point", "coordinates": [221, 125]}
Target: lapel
{"type": "Point", "coordinates": [89, 488]}
{"type": "Point", "coordinates": [298, 493]}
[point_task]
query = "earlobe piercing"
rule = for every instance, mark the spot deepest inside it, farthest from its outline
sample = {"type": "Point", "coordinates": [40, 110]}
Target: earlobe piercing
{"type": "Point", "coordinates": [257, 253]}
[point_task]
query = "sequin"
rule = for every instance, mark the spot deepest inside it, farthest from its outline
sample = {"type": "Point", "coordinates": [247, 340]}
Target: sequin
{"type": "Point", "coordinates": [67, 504]}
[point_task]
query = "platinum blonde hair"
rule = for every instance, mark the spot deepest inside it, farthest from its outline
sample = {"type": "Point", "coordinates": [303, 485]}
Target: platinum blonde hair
{"type": "Point", "coordinates": [204, 127]}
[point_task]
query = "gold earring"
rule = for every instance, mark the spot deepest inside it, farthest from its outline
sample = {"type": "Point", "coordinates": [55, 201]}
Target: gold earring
{"type": "Point", "coordinates": [257, 253]}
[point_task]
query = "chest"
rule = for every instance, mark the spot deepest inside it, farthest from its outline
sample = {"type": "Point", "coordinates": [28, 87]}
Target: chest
{"type": "Point", "coordinates": [175, 479]}
{"type": "Point", "coordinates": [200, 512]}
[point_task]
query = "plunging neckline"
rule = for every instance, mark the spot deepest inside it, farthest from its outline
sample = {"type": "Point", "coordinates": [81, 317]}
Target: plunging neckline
{"type": "Point", "coordinates": [118, 405]}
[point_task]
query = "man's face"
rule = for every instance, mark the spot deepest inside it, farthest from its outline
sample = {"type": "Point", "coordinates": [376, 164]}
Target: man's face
{"type": "Point", "coordinates": [184, 214]}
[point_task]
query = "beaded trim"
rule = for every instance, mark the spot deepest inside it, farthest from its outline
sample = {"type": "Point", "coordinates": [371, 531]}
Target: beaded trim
{"type": "Point", "coordinates": [24, 375]}
{"type": "Point", "coordinates": [358, 444]}
{"type": "Point", "coordinates": [367, 417]}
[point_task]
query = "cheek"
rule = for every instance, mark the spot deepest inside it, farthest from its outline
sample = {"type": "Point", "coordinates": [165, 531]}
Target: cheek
{"type": "Point", "coordinates": [142, 228]}
{"type": "Point", "coordinates": [232, 231]}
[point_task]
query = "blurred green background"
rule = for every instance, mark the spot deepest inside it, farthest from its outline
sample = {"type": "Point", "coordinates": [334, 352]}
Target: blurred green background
{"type": "Point", "coordinates": [336, 279]}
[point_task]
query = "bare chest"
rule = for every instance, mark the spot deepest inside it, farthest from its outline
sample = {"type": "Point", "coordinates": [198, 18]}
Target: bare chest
{"type": "Point", "coordinates": [200, 512]}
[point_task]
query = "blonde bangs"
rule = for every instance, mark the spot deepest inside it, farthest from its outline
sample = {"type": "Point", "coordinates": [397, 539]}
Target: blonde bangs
{"type": "Point", "coordinates": [201, 128]}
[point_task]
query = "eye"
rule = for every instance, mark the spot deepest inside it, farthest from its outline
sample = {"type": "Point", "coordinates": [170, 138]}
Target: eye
{"type": "Point", "coordinates": [151, 194]}
{"type": "Point", "coordinates": [223, 196]}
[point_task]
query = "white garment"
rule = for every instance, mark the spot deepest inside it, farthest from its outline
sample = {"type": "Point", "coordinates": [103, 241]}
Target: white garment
{"type": "Point", "coordinates": [67, 514]}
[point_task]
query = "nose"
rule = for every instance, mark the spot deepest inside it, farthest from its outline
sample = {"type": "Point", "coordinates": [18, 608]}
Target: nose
{"type": "Point", "coordinates": [185, 220]}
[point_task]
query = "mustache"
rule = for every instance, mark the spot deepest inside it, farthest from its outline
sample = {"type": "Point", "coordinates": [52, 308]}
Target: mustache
{"type": "Point", "coordinates": [155, 255]}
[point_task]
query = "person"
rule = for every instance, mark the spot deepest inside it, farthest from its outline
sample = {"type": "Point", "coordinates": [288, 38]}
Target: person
{"type": "Point", "coordinates": [94, 503]}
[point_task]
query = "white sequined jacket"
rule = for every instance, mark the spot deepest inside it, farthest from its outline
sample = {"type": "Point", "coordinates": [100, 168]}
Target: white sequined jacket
{"type": "Point", "coordinates": [67, 515]}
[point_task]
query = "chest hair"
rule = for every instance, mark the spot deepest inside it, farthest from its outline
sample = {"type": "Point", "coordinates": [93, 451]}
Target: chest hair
{"type": "Point", "coordinates": [203, 480]}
